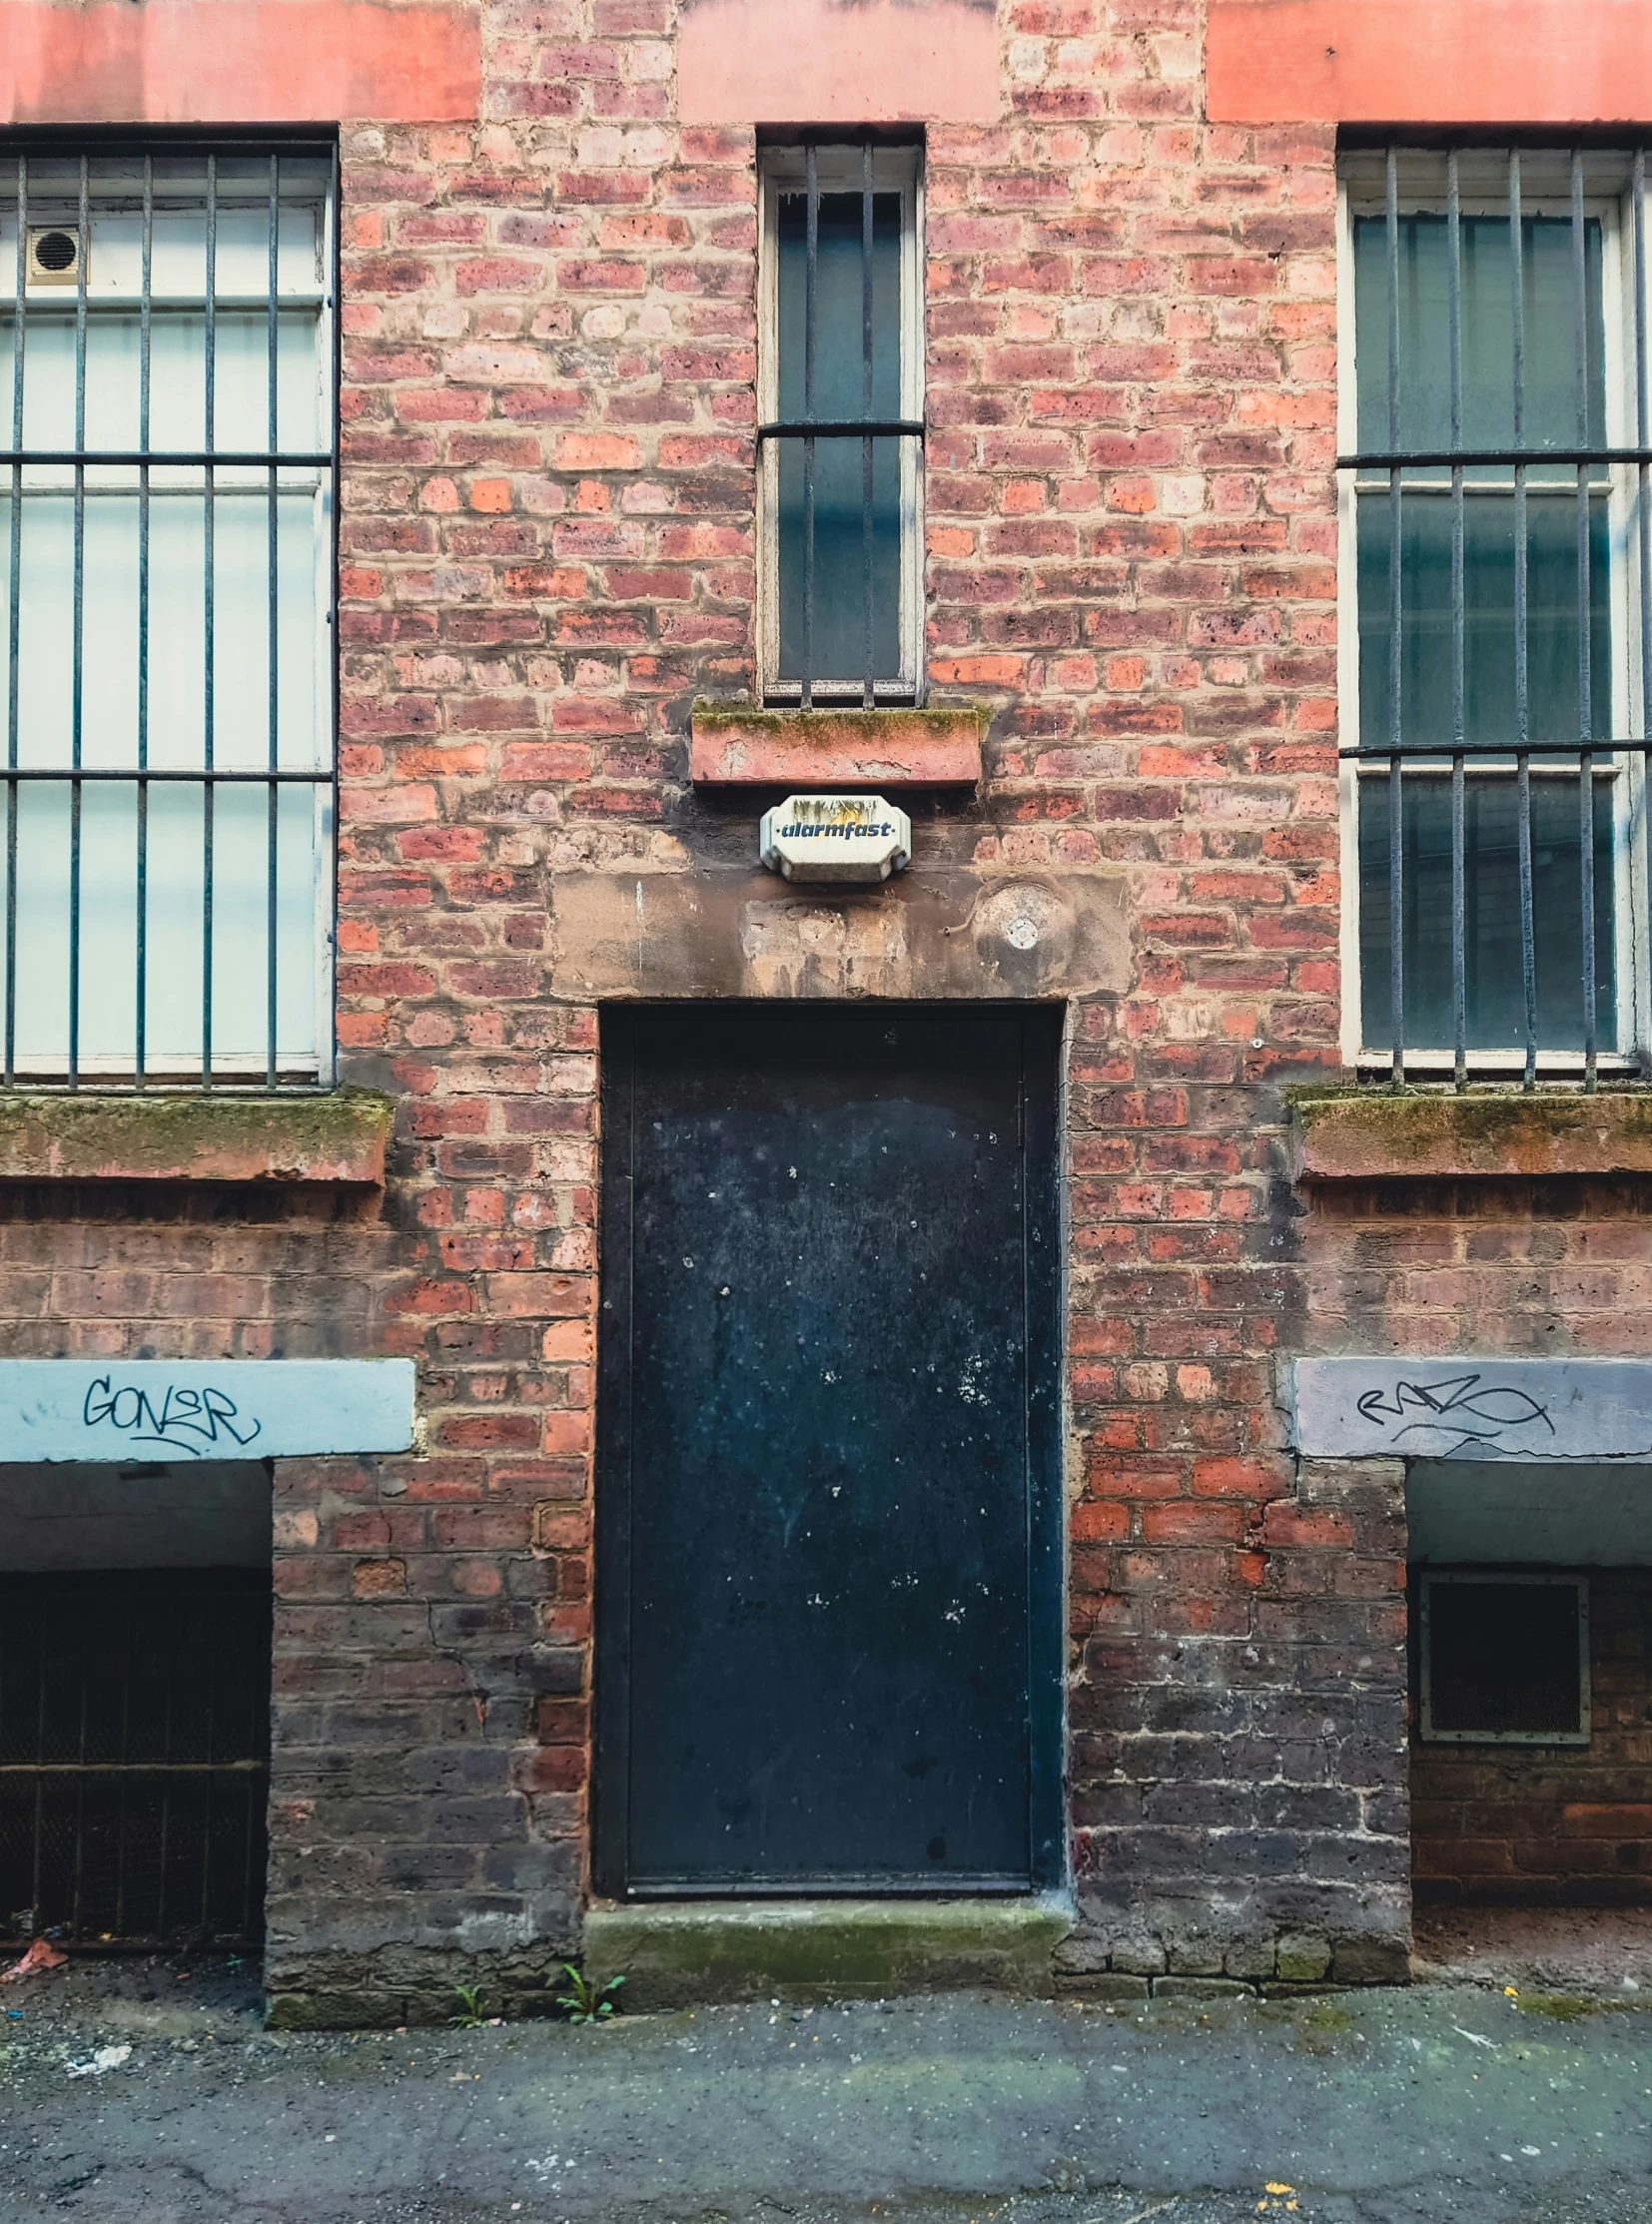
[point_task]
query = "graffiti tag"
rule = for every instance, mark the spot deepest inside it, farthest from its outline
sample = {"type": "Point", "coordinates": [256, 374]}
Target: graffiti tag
{"type": "Point", "coordinates": [182, 1419]}
{"type": "Point", "coordinates": [1463, 1408]}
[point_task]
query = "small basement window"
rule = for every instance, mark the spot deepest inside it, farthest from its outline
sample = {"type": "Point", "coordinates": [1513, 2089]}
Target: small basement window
{"type": "Point", "coordinates": [1505, 1659]}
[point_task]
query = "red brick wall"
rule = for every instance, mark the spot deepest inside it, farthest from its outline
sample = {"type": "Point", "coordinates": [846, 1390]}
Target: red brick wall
{"type": "Point", "coordinates": [1527, 1267]}
{"type": "Point", "coordinates": [547, 552]}
{"type": "Point", "coordinates": [550, 354]}
{"type": "Point", "coordinates": [1566, 1824]}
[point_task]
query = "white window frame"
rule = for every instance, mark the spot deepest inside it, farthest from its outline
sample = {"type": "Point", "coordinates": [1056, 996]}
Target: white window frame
{"type": "Point", "coordinates": [895, 169]}
{"type": "Point", "coordinates": [315, 1067]}
{"type": "Point", "coordinates": [1610, 198]}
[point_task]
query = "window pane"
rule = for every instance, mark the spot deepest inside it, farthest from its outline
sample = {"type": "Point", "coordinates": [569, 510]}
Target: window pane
{"type": "Point", "coordinates": [839, 645]}
{"type": "Point", "coordinates": [253, 536]}
{"type": "Point", "coordinates": [1491, 911]}
{"type": "Point", "coordinates": [1494, 986]}
{"type": "Point", "coordinates": [1487, 329]}
{"type": "Point", "coordinates": [1504, 1660]}
{"type": "Point", "coordinates": [1488, 617]}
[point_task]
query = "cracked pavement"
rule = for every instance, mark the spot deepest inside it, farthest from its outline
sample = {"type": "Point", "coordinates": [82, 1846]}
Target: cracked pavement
{"type": "Point", "coordinates": [1446, 2101]}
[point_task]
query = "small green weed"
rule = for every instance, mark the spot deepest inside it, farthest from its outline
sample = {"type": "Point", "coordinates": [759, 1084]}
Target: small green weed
{"type": "Point", "coordinates": [471, 2014]}
{"type": "Point", "coordinates": [585, 2001]}
{"type": "Point", "coordinates": [1562, 2007]}
{"type": "Point", "coordinates": [1327, 2017]}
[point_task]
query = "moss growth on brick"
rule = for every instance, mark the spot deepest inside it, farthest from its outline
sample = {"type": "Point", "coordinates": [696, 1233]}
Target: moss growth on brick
{"type": "Point", "coordinates": [339, 1136]}
{"type": "Point", "coordinates": [842, 1950]}
{"type": "Point", "coordinates": [1357, 1134]}
{"type": "Point", "coordinates": [861, 725]}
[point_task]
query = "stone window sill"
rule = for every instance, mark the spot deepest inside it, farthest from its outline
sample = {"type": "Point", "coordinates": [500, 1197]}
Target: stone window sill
{"type": "Point", "coordinates": [1370, 1134]}
{"type": "Point", "coordinates": [161, 1136]}
{"type": "Point", "coordinates": [737, 747]}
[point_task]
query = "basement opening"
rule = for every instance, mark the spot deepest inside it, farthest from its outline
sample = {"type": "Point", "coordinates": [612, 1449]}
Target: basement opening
{"type": "Point", "coordinates": [134, 1636]}
{"type": "Point", "coordinates": [1531, 1706]}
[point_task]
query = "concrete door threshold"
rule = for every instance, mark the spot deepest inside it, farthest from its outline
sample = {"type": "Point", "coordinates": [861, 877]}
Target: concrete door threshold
{"type": "Point", "coordinates": [674, 1953]}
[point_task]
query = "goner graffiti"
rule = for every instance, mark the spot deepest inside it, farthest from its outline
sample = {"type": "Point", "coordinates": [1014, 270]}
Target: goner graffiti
{"type": "Point", "coordinates": [183, 1420]}
{"type": "Point", "coordinates": [1462, 1410]}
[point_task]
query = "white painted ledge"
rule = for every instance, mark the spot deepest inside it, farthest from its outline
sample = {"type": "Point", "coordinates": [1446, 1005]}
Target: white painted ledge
{"type": "Point", "coordinates": [227, 1409]}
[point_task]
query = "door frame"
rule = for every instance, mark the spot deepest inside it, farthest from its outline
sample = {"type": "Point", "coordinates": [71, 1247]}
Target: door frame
{"type": "Point", "coordinates": [1043, 1093]}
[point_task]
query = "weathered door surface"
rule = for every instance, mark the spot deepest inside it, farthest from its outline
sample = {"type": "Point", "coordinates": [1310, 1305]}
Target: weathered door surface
{"type": "Point", "coordinates": [827, 1503]}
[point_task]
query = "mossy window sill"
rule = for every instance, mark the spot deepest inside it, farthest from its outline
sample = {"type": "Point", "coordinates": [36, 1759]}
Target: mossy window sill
{"type": "Point", "coordinates": [1371, 1135]}
{"type": "Point", "coordinates": [939, 748]}
{"type": "Point", "coordinates": [335, 1137]}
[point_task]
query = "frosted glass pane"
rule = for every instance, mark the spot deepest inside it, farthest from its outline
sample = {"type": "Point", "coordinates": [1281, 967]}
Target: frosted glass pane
{"type": "Point", "coordinates": [177, 255]}
{"type": "Point", "coordinates": [1488, 619]}
{"type": "Point", "coordinates": [175, 939]}
{"type": "Point", "coordinates": [176, 629]}
{"type": "Point", "coordinates": [149, 862]}
{"type": "Point", "coordinates": [178, 386]}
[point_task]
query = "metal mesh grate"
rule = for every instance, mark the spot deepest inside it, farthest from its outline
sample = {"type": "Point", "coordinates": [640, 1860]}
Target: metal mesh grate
{"type": "Point", "coordinates": [135, 1755]}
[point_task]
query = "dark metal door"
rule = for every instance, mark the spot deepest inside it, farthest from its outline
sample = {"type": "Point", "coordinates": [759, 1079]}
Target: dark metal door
{"type": "Point", "coordinates": [828, 1520]}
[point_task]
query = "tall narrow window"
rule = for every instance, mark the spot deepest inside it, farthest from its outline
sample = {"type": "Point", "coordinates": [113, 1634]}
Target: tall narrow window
{"type": "Point", "coordinates": [166, 562]}
{"type": "Point", "coordinates": [841, 432]}
{"type": "Point", "coordinates": [1496, 401]}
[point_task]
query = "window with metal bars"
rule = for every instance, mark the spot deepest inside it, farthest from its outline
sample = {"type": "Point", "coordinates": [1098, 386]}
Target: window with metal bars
{"type": "Point", "coordinates": [166, 572]}
{"type": "Point", "coordinates": [133, 1755]}
{"type": "Point", "coordinates": [1497, 619]}
{"type": "Point", "coordinates": [841, 424]}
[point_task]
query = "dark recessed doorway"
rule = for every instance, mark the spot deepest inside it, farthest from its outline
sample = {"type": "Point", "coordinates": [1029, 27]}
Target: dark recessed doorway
{"type": "Point", "coordinates": [828, 1498]}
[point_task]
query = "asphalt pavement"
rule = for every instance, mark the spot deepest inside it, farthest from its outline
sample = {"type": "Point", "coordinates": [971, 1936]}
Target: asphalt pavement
{"type": "Point", "coordinates": [130, 2092]}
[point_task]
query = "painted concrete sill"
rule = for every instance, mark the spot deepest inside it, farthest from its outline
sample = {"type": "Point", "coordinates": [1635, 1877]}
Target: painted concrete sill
{"type": "Point", "coordinates": [1369, 1134]}
{"type": "Point", "coordinates": [676, 1952]}
{"type": "Point", "coordinates": [737, 747]}
{"type": "Point", "coordinates": [337, 1137]}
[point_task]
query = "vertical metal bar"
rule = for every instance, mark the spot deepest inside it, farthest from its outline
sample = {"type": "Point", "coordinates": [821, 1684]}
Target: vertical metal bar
{"type": "Point", "coordinates": [214, 1622]}
{"type": "Point", "coordinates": [1585, 614]}
{"type": "Point", "coordinates": [335, 382]}
{"type": "Point", "coordinates": [128, 1633]}
{"type": "Point", "coordinates": [1460, 692]}
{"type": "Point", "coordinates": [1643, 428]}
{"type": "Point", "coordinates": [35, 1880]}
{"type": "Point", "coordinates": [78, 677]}
{"type": "Point", "coordinates": [1643, 436]}
{"type": "Point", "coordinates": [14, 627]}
{"type": "Point", "coordinates": [1522, 698]}
{"type": "Point", "coordinates": [208, 523]}
{"type": "Point", "coordinates": [143, 358]}
{"type": "Point", "coordinates": [80, 1792]}
{"type": "Point", "coordinates": [274, 429]}
{"type": "Point", "coordinates": [867, 679]}
{"type": "Point", "coordinates": [1397, 663]}
{"type": "Point", "coordinates": [811, 272]}
{"type": "Point", "coordinates": [169, 1637]}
